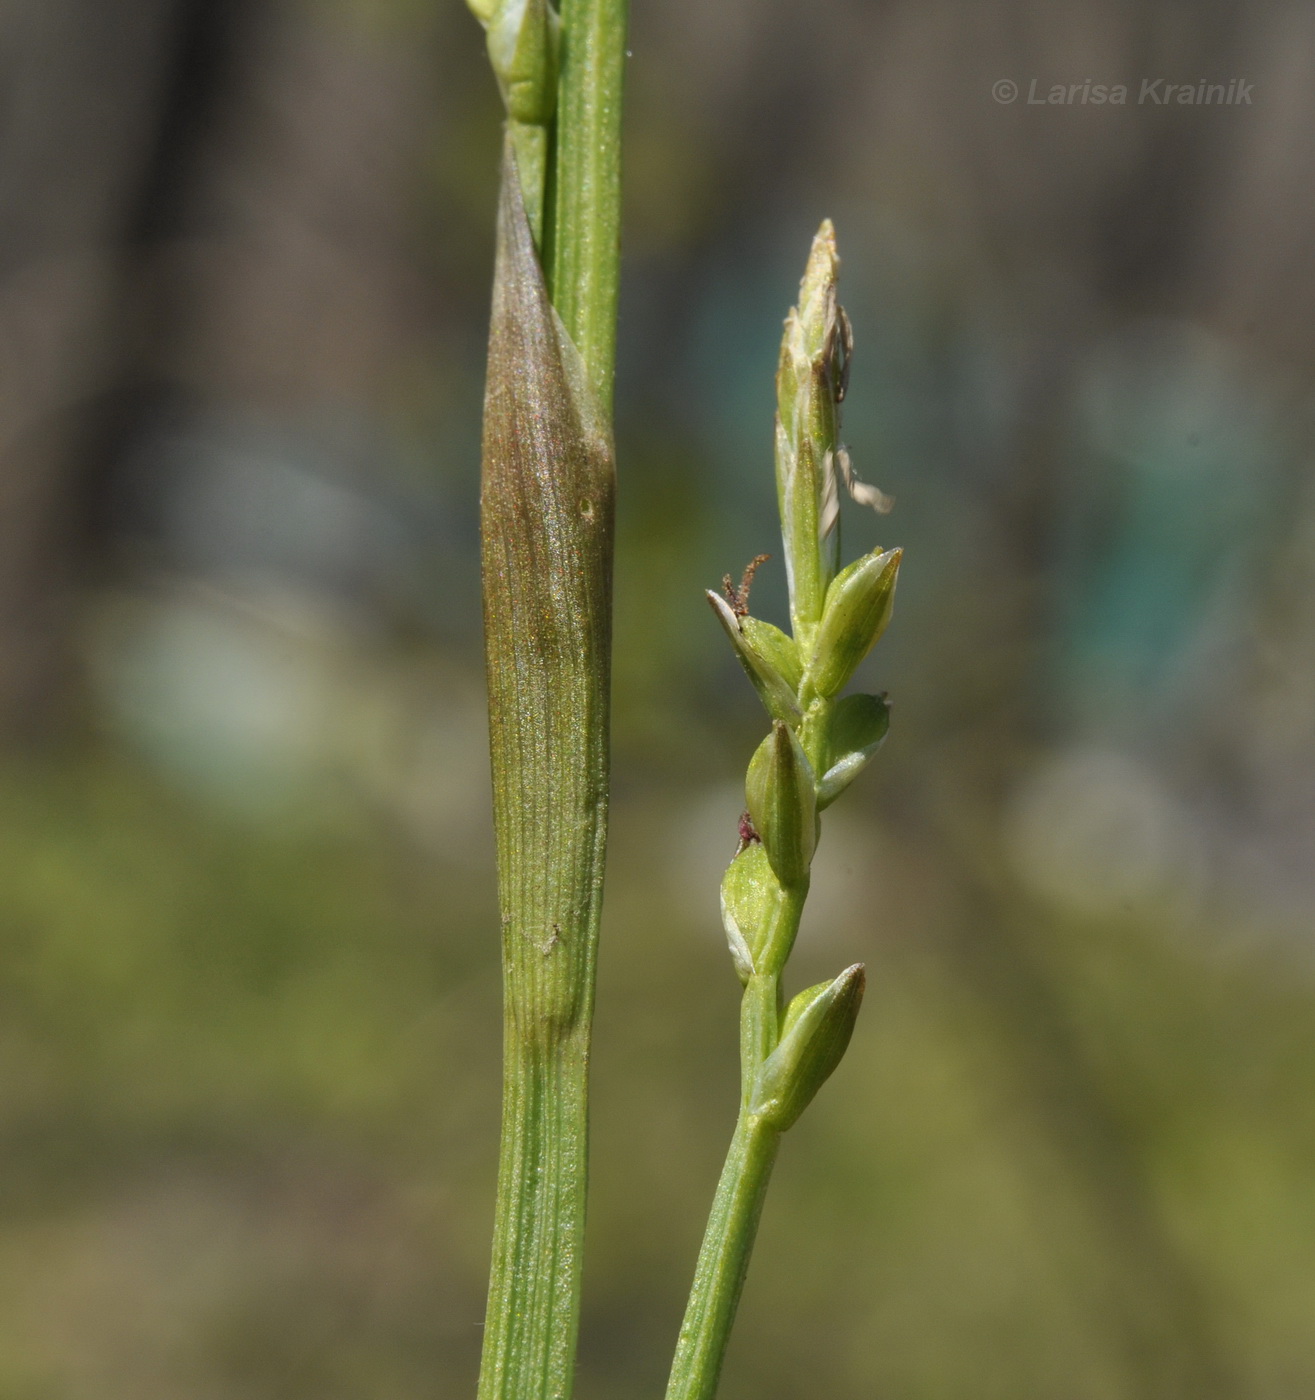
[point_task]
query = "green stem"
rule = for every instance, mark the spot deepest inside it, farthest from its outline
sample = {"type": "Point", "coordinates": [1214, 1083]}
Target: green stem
{"type": "Point", "coordinates": [530, 1328]}
{"type": "Point", "coordinates": [531, 144]}
{"type": "Point", "coordinates": [760, 1019]}
{"type": "Point", "coordinates": [583, 253]}
{"type": "Point", "coordinates": [723, 1261]}
{"type": "Point", "coordinates": [733, 1223]}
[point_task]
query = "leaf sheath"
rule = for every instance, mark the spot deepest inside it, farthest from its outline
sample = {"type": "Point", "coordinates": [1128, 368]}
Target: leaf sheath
{"type": "Point", "coordinates": [546, 533]}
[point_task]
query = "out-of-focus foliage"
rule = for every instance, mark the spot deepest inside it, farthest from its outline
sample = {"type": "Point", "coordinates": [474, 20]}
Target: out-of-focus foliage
{"type": "Point", "coordinates": [249, 1041]}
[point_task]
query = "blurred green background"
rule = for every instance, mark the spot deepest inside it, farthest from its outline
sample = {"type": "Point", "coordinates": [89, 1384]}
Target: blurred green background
{"type": "Point", "coordinates": [249, 1026]}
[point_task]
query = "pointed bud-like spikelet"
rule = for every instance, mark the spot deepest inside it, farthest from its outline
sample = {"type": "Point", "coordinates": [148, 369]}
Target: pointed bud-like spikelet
{"type": "Point", "coordinates": [800, 490]}
{"type": "Point", "coordinates": [523, 40]}
{"type": "Point", "coordinates": [787, 471]}
{"type": "Point", "coordinates": [483, 10]}
{"type": "Point", "coordinates": [858, 607]}
{"type": "Point", "coordinates": [749, 896]}
{"type": "Point", "coordinates": [783, 804]}
{"type": "Point", "coordinates": [762, 662]}
{"type": "Point", "coordinates": [780, 650]}
{"type": "Point", "coordinates": [854, 732]}
{"type": "Point", "coordinates": [810, 384]}
{"type": "Point", "coordinates": [814, 1037]}
{"type": "Point", "coordinates": [813, 325]}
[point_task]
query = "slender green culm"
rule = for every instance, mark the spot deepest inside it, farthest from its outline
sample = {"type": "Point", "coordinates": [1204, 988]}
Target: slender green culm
{"type": "Point", "coordinates": [582, 256]}
{"type": "Point", "coordinates": [547, 532]}
{"type": "Point", "coordinates": [816, 747]}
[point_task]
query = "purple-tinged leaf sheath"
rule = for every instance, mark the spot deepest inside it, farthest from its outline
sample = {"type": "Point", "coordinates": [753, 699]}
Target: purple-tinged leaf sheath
{"type": "Point", "coordinates": [546, 525]}
{"type": "Point", "coordinates": [546, 518]}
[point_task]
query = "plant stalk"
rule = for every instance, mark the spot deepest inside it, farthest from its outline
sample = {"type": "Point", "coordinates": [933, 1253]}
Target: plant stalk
{"type": "Point", "coordinates": [733, 1221]}
{"type": "Point", "coordinates": [582, 256]}
{"type": "Point", "coordinates": [723, 1260]}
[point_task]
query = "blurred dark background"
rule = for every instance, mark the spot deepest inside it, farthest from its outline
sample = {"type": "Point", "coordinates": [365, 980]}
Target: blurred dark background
{"type": "Point", "coordinates": [249, 1025]}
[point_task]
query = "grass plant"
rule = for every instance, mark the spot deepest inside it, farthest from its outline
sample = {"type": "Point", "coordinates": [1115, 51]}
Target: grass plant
{"type": "Point", "coordinates": [547, 535]}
